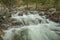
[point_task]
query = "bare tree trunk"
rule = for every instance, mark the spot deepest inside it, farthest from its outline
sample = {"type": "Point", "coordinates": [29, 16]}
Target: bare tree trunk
{"type": "Point", "coordinates": [27, 5]}
{"type": "Point", "coordinates": [57, 5]}
{"type": "Point", "coordinates": [36, 5]}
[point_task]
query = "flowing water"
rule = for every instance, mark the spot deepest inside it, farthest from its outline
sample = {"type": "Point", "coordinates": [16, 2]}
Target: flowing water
{"type": "Point", "coordinates": [34, 27]}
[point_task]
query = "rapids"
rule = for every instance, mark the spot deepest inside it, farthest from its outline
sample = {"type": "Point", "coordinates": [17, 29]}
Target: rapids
{"type": "Point", "coordinates": [34, 27]}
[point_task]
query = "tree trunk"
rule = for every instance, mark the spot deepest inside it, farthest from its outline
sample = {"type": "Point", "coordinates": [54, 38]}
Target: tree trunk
{"type": "Point", "coordinates": [27, 5]}
{"type": "Point", "coordinates": [57, 5]}
{"type": "Point", "coordinates": [36, 4]}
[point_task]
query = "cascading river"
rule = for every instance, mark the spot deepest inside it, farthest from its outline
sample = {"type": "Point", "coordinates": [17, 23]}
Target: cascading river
{"type": "Point", "coordinates": [34, 27]}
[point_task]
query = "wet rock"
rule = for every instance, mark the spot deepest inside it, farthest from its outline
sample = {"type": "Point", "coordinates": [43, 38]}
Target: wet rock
{"type": "Point", "coordinates": [20, 14]}
{"type": "Point", "coordinates": [16, 23]}
{"type": "Point", "coordinates": [41, 13]}
{"type": "Point", "coordinates": [55, 17]}
{"type": "Point", "coordinates": [1, 26]}
{"type": "Point", "coordinates": [51, 11]}
{"type": "Point", "coordinates": [1, 32]}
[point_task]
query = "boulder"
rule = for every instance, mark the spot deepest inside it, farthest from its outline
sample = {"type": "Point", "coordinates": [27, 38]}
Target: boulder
{"type": "Point", "coordinates": [55, 17]}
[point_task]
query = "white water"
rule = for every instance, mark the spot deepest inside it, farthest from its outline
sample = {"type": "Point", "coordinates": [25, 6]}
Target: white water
{"type": "Point", "coordinates": [34, 27]}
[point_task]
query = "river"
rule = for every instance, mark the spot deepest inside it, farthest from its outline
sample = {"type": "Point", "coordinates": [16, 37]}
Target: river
{"type": "Point", "coordinates": [32, 27]}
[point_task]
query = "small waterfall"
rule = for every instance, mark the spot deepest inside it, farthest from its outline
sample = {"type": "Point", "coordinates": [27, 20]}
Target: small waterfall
{"type": "Point", "coordinates": [35, 27]}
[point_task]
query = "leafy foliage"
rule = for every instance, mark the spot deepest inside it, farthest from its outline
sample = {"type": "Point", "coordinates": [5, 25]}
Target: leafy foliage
{"type": "Point", "coordinates": [9, 2]}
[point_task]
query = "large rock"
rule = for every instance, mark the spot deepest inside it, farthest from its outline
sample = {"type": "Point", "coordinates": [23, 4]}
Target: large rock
{"type": "Point", "coordinates": [55, 17]}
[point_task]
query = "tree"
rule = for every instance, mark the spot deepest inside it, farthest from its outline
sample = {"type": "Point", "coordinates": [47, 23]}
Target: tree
{"type": "Point", "coordinates": [57, 4]}
{"type": "Point", "coordinates": [9, 3]}
{"type": "Point", "coordinates": [26, 2]}
{"type": "Point", "coordinates": [38, 1]}
{"type": "Point", "coordinates": [35, 1]}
